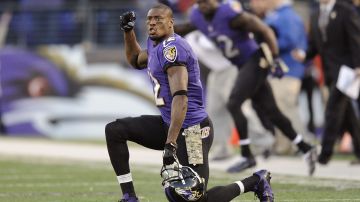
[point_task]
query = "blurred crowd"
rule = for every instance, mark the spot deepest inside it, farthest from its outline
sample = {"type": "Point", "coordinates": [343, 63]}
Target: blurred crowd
{"type": "Point", "coordinates": [311, 50]}
{"type": "Point", "coordinates": [36, 22]}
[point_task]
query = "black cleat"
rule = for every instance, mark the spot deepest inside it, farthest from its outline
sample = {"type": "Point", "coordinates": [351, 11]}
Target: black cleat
{"type": "Point", "coordinates": [127, 198]}
{"type": "Point", "coordinates": [324, 159]}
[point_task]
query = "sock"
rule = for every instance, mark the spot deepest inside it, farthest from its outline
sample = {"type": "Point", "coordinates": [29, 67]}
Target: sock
{"type": "Point", "coordinates": [223, 193]}
{"type": "Point", "coordinates": [249, 183]}
{"type": "Point", "coordinates": [303, 146]}
{"type": "Point", "coordinates": [231, 191]}
{"type": "Point", "coordinates": [245, 148]}
{"type": "Point", "coordinates": [241, 186]}
{"type": "Point", "coordinates": [126, 184]}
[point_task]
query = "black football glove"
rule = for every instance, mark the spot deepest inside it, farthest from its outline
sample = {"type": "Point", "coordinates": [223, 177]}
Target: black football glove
{"type": "Point", "coordinates": [169, 154]}
{"type": "Point", "coordinates": [278, 68]}
{"type": "Point", "coordinates": [127, 21]}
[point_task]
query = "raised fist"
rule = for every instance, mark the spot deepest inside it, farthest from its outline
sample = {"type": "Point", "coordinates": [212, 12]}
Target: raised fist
{"type": "Point", "coordinates": [127, 21]}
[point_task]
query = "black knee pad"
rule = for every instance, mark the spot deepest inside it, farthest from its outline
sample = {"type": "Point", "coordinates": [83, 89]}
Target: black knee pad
{"type": "Point", "coordinates": [115, 131]}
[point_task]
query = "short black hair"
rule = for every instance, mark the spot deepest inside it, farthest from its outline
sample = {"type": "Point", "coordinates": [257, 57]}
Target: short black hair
{"type": "Point", "coordinates": [164, 7]}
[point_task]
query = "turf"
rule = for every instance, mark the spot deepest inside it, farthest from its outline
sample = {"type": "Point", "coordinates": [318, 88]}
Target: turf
{"type": "Point", "coordinates": [44, 180]}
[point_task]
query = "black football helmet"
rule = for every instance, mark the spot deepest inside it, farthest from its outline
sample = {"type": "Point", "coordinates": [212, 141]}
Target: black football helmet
{"type": "Point", "coordinates": [182, 183]}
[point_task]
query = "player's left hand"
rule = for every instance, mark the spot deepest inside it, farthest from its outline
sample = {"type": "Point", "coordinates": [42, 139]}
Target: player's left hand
{"type": "Point", "coordinates": [169, 154]}
{"type": "Point", "coordinates": [279, 68]}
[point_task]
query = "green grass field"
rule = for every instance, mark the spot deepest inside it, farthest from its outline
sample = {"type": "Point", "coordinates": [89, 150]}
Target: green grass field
{"type": "Point", "coordinates": [51, 180]}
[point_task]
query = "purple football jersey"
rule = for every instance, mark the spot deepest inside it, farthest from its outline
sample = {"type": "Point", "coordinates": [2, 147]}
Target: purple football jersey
{"type": "Point", "coordinates": [236, 45]}
{"type": "Point", "coordinates": [175, 51]}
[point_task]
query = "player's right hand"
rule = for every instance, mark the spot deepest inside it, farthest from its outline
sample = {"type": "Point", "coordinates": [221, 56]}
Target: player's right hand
{"type": "Point", "coordinates": [298, 54]}
{"type": "Point", "coordinates": [127, 21]}
{"type": "Point", "coordinates": [278, 68]}
{"type": "Point", "coordinates": [169, 154]}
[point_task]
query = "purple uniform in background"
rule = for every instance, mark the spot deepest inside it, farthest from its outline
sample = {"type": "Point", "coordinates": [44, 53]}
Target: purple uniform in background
{"type": "Point", "coordinates": [175, 51]}
{"type": "Point", "coordinates": [236, 45]}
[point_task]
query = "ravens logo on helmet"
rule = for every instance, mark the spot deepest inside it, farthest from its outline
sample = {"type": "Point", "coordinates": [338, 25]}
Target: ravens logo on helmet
{"type": "Point", "coordinates": [182, 183]}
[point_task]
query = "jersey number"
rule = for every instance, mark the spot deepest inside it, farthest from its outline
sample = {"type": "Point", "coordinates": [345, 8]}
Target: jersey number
{"type": "Point", "coordinates": [229, 50]}
{"type": "Point", "coordinates": [159, 101]}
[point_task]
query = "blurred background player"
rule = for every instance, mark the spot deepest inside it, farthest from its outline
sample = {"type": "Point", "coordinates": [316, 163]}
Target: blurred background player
{"type": "Point", "coordinates": [183, 130]}
{"type": "Point", "coordinates": [290, 32]}
{"type": "Point", "coordinates": [222, 73]}
{"type": "Point", "coordinates": [335, 35]}
{"type": "Point", "coordinates": [230, 28]}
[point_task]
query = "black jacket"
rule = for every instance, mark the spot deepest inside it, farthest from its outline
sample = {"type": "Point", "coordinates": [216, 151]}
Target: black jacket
{"type": "Point", "coordinates": [343, 40]}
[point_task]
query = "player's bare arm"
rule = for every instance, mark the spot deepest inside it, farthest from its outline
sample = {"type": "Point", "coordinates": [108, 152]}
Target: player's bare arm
{"type": "Point", "coordinates": [134, 55]}
{"type": "Point", "coordinates": [178, 80]}
{"type": "Point", "coordinates": [185, 28]}
{"type": "Point", "coordinates": [249, 22]}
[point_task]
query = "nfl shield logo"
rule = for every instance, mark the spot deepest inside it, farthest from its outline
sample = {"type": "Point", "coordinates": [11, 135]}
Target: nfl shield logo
{"type": "Point", "coordinates": [170, 53]}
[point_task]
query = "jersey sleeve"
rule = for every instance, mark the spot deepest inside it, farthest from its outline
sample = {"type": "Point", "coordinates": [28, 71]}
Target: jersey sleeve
{"type": "Point", "coordinates": [173, 54]}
